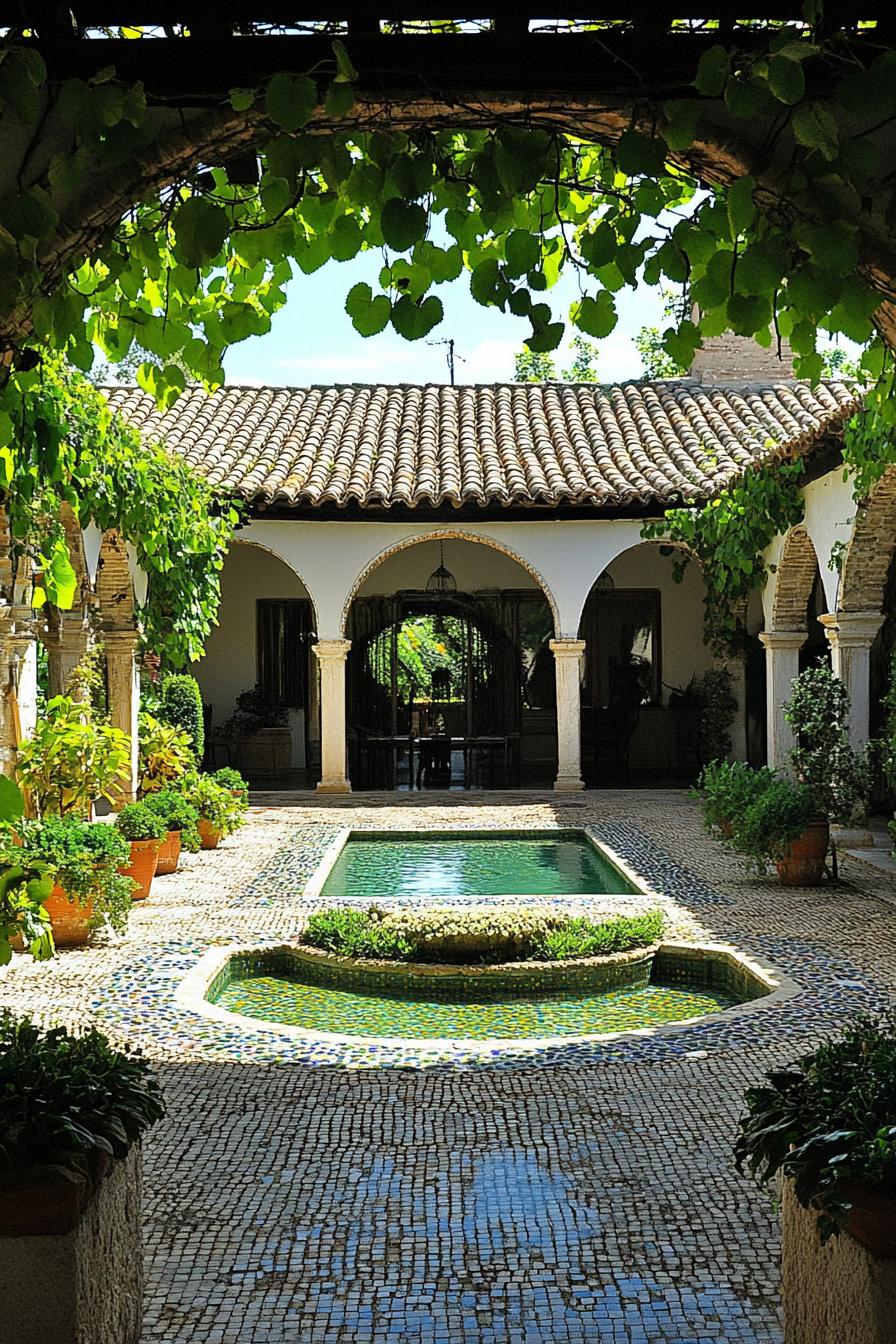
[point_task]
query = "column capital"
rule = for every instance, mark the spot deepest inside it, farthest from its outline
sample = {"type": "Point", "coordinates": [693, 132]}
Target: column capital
{"type": "Point", "coordinates": [852, 629]}
{"type": "Point", "coordinates": [783, 639]}
{"type": "Point", "coordinates": [331, 648]}
{"type": "Point", "coordinates": [567, 648]}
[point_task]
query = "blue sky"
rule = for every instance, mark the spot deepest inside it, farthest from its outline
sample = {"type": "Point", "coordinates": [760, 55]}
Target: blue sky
{"type": "Point", "coordinates": [312, 339]}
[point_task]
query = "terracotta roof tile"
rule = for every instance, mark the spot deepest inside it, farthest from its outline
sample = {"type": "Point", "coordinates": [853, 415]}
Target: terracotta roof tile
{"type": "Point", "coordinates": [512, 444]}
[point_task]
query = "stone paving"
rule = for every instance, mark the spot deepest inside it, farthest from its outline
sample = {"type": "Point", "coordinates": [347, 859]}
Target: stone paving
{"type": "Point", "coordinates": [542, 1201]}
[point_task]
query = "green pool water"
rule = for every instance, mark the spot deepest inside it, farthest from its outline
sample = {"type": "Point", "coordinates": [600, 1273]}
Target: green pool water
{"type": "Point", "coordinates": [564, 864]}
{"type": "Point", "coordinates": [564, 1013]}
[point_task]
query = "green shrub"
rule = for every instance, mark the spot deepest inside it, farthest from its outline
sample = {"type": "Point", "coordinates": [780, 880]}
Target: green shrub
{"type": "Point", "coordinates": [65, 1097]}
{"type": "Point", "coordinates": [231, 779]}
{"type": "Point", "coordinates": [718, 705]}
{"type": "Point", "coordinates": [778, 815]}
{"type": "Point", "coordinates": [827, 1121]}
{"type": "Point", "coordinates": [838, 777]}
{"type": "Point", "coordinates": [180, 705]}
{"type": "Point", "coordinates": [136, 821]}
{"type": "Point", "coordinates": [84, 859]}
{"type": "Point", "coordinates": [70, 760]}
{"type": "Point", "coordinates": [584, 938]}
{"type": "Point", "coordinates": [165, 754]}
{"type": "Point", "coordinates": [727, 788]}
{"type": "Point", "coordinates": [176, 813]}
{"type": "Point", "coordinates": [476, 935]}
{"type": "Point", "coordinates": [212, 801]}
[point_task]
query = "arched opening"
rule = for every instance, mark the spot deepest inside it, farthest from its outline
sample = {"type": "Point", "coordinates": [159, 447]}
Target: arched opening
{"type": "Point", "coordinates": [450, 677]}
{"type": "Point", "coordinates": [644, 665]}
{"type": "Point", "coordinates": [258, 683]}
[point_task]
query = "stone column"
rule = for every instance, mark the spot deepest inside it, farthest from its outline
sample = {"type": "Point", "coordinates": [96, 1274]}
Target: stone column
{"type": "Point", "coordinates": [18, 681]}
{"type": "Point", "coordinates": [66, 639]}
{"type": "Point", "coordinates": [738, 730]}
{"type": "Point", "coordinates": [567, 663]}
{"type": "Point", "coordinates": [331, 655]}
{"type": "Point", "coordinates": [123, 683]}
{"type": "Point", "coordinates": [850, 635]}
{"type": "Point", "coordinates": [782, 664]}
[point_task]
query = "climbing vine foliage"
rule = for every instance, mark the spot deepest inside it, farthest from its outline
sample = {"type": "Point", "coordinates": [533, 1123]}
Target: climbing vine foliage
{"type": "Point", "coordinates": [68, 448]}
{"type": "Point", "coordinates": [202, 261]}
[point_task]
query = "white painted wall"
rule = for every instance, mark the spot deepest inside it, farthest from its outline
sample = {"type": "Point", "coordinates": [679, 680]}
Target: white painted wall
{"type": "Point", "coordinates": [476, 569]}
{"type": "Point", "coordinates": [229, 664]}
{"type": "Point", "coordinates": [684, 654]}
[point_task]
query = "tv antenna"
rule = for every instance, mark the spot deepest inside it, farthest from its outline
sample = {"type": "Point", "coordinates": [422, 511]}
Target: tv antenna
{"type": "Point", "coordinates": [451, 357]}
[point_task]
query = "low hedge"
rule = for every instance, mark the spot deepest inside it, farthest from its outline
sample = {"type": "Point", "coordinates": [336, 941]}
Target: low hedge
{"type": "Point", "coordinates": [476, 935]}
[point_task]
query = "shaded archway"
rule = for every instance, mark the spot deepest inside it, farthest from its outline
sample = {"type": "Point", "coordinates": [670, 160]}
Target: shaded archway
{"type": "Point", "coordinates": [644, 660]}
{"type": "Point", "coordinates": [257, 674]}
{"type": "Point", "coordinates": [450, 683]}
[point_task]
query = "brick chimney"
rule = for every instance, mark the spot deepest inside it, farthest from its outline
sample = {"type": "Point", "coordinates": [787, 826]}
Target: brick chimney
{"type": "Point", "coordinates": [739, 359]}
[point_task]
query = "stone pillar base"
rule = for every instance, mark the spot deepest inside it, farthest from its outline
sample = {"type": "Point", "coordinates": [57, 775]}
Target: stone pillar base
{"type": "Point", "coordinates": [334, 786]}
{"type": "Point", "coordinates": [838, 1293]}
{"type": "Point", "coordinates": [83, 1286]}
{"type": "Point", "coordinates": [568, 784]}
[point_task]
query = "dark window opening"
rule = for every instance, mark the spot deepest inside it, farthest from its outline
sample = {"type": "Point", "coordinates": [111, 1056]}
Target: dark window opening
{"type": "Point", "coordinates": [622, 630]}
{"type": "Point", "coordinates": [283, 629]}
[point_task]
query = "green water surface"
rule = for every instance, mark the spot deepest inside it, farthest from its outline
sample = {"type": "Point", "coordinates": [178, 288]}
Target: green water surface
{"type": "Point", "coordinates": [435, 865]}
{"type": "Point", "coordinates": [564, 1013]}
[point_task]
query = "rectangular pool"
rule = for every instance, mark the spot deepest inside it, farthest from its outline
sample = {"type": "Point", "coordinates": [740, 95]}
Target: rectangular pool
{"type": "Point", "coordinates": [553, 863]}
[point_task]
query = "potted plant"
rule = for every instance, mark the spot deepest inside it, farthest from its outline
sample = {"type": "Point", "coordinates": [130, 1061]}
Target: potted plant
{"type": "Point", "coordinates": [231, 779]}
{"type": "Point", "coordinates": [726, 789]}
{"type": "Point", "coordinates": [70, 760]}
{"type": "Point", "coordinates": [72, 1113]}
{"type": "Point", "coordinates": [825, 1126]}
{"type": "Point", "coordinates": [838, 777]}
{"type": "Point", "coordinates": [220, 813]}
{"type": "Point", "coordinates": [781, 825]}
{"type": "Point", "coordinates": [179, 818]}
{"type": "Point", "coordinates": [258, 728]}
{"type": "Point", "coordinates": [144, 831]}
{"type": "Point", "coordinates": [84, 859]}
{"type": "Point", "coordinates": [24, 923]}
{"type": "Point", "coordinates": [165, 753]}
{"type": "Point", "coordinates": [718, 705]}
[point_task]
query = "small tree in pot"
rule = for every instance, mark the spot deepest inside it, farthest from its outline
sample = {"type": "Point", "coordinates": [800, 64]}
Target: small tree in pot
{"type": "Point", "coordinates": [179, 818]}
{"type": "Point", "coordinates": [838, 777]}
{"type": "Point", "coordinates": [72, 1112]}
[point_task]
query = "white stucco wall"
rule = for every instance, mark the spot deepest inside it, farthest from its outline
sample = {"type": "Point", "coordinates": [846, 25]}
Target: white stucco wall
{"type": "Point", "coordinates": [683, 652]}
{"type": "Point", "coordinates": [229, 664]}
{"type": "Point", "coordinates": [476, 569]}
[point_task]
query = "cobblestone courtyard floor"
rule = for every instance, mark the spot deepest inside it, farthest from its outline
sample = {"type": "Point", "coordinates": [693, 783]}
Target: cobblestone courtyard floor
{"type": "Point", "coordinates": [536, 1203]}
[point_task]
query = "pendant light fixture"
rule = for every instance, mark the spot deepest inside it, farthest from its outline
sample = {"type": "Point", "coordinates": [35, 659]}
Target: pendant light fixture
{"type": "Point", "coordinates": [441, 581]}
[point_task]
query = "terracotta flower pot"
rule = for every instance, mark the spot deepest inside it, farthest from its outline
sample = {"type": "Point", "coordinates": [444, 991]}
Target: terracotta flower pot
{"type": "Point", "coordinates": [872, 1220]}
{"type": "Point", "coordinates": [142, 867]}
{"type": "Point", "coordinates": [803, 862]}
{"type": "Point", "coordinates": [727, 829]}
{"type": "Point", "coordinates": [169, 854]}
{"type": "Point", "coordinates": [208, 836]}
{"type": "Point", "coordinates": [69, 919]}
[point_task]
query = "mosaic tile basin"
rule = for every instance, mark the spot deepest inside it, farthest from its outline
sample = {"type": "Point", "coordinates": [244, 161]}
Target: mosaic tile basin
{"type": "Point", "coordinates": [405, 865]}
{"type": "Point", "coordinates": [484, 1008]}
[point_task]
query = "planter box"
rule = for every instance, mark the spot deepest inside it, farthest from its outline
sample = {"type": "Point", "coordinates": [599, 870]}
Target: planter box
{"type": "Point", "coordinates": [839, 1293]}
{"type": "Point", "coordinates": [267, 753]}
{"type": "Point", "coordinates": [73, 1274]}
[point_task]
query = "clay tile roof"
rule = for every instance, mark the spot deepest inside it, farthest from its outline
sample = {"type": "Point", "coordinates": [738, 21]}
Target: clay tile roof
{"type": "Point", "coordinates": [635, 445]}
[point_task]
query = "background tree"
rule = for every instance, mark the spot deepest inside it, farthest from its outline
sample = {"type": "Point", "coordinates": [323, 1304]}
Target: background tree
{"type": "Point", "coordinates": [535, 368]}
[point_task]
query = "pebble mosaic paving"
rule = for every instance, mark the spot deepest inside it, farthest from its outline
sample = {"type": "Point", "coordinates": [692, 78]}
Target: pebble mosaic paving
{"type": "Point", "coordinates": [580, 1193]}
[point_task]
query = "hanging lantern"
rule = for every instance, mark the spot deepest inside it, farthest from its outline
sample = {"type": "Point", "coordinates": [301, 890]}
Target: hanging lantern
{"type": "Point", "coordinates": [441, 581]}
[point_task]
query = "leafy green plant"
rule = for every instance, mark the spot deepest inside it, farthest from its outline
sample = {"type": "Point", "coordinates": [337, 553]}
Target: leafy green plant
{"type": "Point", "coordinates": [726, 789]}
{"type": "Point", "coordinates": [718, 705]}
{"type": "Point", "coordinates": [165, 754]}
{"type": "Point", "coordinates": [589, 938]}
{"type": "Point", "coordinates": [828, 1121]}
{"type": "Point", "coordinates": [70, 760]}
{"type": "Point", "coordinates": [180, 705]}
{"type": "Point", "coordinates": [136, 821]}
{"type": "Point", "coordinates": [24, 886]}
{"type": "Point", "coordinates": [176, 813]}
{"type": "Point", "coordinates": [83, 858]}
{"type": "Point", "coordinates": [838, 778]}
{"type": "Point", "coordinates": [212, 802]}
{"type": "Point", "coordinates": [778, 814]}
{"type": "Point", "coordinates": [65, 1097]}
{"type": "Point", "coordinates": [254, 712]}
{"type": "Point", "coordinates": [476, 935]}
{"type": "Point", "coordinates": [231, 779]}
